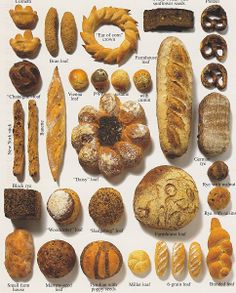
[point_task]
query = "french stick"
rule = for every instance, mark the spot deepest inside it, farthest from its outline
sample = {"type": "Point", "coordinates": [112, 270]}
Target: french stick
{"type": "Point", "coordinates": [174, 97]}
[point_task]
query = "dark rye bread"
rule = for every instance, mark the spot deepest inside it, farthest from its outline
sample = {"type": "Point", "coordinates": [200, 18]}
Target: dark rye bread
{"type": "Point", "coordinates": [214, 125]}
{"type": "Point", "coordinates": [168, 19]}
{"type": "Point", "coordinates": [101, 260]}
{"type": "Point", "coordinates": [22, 204]}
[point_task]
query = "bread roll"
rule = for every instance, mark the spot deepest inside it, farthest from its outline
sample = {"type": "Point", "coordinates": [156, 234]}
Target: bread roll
{"type": "Point", "coordinates": [214, 125]}
{"type": "Point", "coordinates": [19, 254]}
{"type": "Point", "coordinates": [161, 258]}
{"type": "Point", "coordinates": [195, 260]}
{"type": "Point", "coordinates": [178, 260]}
{"type": "Point", "coordinates": [174, 97]}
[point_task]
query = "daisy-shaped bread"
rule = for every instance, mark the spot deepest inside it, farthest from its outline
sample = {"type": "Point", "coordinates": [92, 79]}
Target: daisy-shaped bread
{"type": "Point", "coordinates": [111, 138]}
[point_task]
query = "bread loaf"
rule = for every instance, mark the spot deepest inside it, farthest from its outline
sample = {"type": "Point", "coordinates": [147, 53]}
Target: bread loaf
{"type": "Point", "coordinates": [19, 254]}
{"type": "Point", "coordinates": [195, 259]}
{"type": "Point", "coordinates": [19, 139]}
{"type": "Point", "coordinates": [174, 97]}
{"type": "Point", "coordinates": [56, 125]}
{"type": "Point", "coordinates": [161, 258]}
{"type": "Point", "coordinates": [219, 260]}
{"type": "Point", "coordinates": [178, 260]}
{"type": "Point", "coordinates": [214, 125]}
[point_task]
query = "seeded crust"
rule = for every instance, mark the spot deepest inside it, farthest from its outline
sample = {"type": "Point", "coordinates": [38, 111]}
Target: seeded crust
{"type": "Point", "coordinates": [56, 258]}
{"type": "Point", "coordinates": [166, 199]}
{"type": "Point", "coordinates": [174, 97]}
{"type": "Point", "coordinates": [101, 260]}
{"type": "Point", "coordinates": [106, 207]}
{"type": "Point", "coordinates": [51, 32]}
{"type": "Point", "coordinates": [69, 32]}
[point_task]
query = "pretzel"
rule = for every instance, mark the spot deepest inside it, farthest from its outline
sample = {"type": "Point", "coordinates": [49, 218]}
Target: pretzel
{"type": "Point", "coordinates": [109, 15]}
{"type": "Point", "coordinates": [214, 75]}
{"type": "Point", "coordinates": [214, 46]}
{"type": "Point", "coordinates": [214, 18]}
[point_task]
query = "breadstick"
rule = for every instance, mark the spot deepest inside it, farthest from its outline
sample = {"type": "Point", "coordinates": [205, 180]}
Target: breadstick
{"type": "Point", "coordinates": [161, 258]}
{"type": "Point", "coordinates": [33, 155]}
{"type": "Point", "coordinates": [19, 139]}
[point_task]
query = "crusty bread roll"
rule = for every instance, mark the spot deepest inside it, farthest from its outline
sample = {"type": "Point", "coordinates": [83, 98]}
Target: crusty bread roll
{"type": "Point", "coordinates": [19, 254]}
{"type": "Point", "coordinates": [56, 125]}
{"type": "Point", "coordinates": [195, 259]}
{"type": "Point", "coordinates": [174, 97]}
{"type": "Point", "coordinates": [161, 258]}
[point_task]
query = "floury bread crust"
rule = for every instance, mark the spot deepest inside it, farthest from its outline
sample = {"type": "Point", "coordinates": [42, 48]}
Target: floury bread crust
{"type": "Point", "coordinates": [166, 199]}
{"type": "Point", "coordinates": [174, 97]}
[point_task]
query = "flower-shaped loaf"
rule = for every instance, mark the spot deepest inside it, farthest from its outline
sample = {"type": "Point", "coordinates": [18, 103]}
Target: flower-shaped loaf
{"type": "Point", "coordinates": [111, 138]}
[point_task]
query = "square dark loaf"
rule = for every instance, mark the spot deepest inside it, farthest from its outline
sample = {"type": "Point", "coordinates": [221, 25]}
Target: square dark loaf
{"type": "Point", "coordinates": [168, 19]}
{"type": "Point", "coordinates": [22, 204]}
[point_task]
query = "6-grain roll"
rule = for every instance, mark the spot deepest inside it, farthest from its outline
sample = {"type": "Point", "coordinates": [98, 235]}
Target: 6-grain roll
{"type": "Point", "coordinates": [174, 97]}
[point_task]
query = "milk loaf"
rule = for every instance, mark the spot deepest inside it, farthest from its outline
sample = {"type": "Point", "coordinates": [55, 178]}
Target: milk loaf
{"type": "Point", "coordinates": [174, 97]}
{"type": "Point", "coordinates": [214, 125]}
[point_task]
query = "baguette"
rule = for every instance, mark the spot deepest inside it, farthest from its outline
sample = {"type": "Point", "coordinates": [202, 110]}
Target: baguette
{"type": "Point", "coordinates": [161, 258]}
{"type": "Point", "coordinates": [33, 155]}
{"type": "Point", "coordinates": [174, 97]}
{"type": "Point", "coordinates": [195, 260]}
{"type": "Point", "coordinates": [56, 125]}
{"type": "Point", "coordinates": [19, 139]}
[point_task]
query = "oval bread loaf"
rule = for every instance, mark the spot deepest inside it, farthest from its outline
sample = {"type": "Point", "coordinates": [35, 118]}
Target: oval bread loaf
{"type": "Point", "coordinates": [19, 254]}
{"type": "Point", "coordinates": [69, 32]}
{"type": "Point", "coordinates": [174, 97]}
{"type": "Point", "coordinates": [178, 260]}
{"type": "Point", "coordinates": [161, 258]}
{"type": "Point", "coordinates": [51, 32]}
{"type": "Point", "coordinates": [195, 258]}
{"type": "Point", "coordinates": [214, 125]}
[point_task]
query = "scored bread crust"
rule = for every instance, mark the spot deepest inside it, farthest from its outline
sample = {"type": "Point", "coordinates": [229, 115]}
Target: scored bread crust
{"type": "Point", "coordinates": [174, 97]}
{"type": "Point", "coordinates": [56, 125]}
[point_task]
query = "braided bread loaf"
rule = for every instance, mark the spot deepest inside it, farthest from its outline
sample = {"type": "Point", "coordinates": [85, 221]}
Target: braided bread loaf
{"type": "Point", "coordinates": [220, 251]}
{"type": "Point", "coordinates": [110, 15]}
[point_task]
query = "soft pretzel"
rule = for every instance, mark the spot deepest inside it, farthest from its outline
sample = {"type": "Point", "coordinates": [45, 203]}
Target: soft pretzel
{"type": "Point", "coordinates": [219, 260]}
{"type": "Point", "coordinates": [110, 15]}
{"type": "Point", "coordinates": [214, 75]}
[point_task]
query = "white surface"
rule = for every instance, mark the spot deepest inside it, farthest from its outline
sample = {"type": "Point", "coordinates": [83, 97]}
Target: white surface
{"type": "Point", "coordinates": [134, 236]}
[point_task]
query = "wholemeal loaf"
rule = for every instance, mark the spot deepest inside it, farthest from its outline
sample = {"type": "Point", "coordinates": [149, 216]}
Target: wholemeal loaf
{"type": "Point", "coordinates": [174, 97]}
{"type": "Point", "coordinates": [214, 125]}
{"type": "Point", "coordinates": [166, 198]}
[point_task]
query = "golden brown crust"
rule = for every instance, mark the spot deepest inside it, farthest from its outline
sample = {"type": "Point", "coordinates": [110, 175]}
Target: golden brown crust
{"type": "Point", "coordinates": [33, 155]}
{"type": "Point", "coordinates": [174, 97]}
{"type": "Point", "coordinates": [56, 258]}
{"type": "Point", "coordinates": [214, 125]}
{"type": "Point", "coordinates": [56, 125]}
{"type": "Point", "coordinates": [139, 262]}
{"type": "Point", "coordinates": [195, 259]}
{"type": "Point", "coordinates": [51, 32]}
{"type": "Point", "coordinates": [69, 32]}
{"type": "Point", "coordinates": [166, 198]}
{"type": "Point", "coordinates": [110, 15]}
{"type": "Point", "coordinates": [76, 207]}
{"type": "Point", "coordinates": [24, 17]}
{"type": "Point", "coordinates": [19, 254]}
{"type": "Point", "coordinates": [178, 260]}
{"type": "Point", "coordinates": [19, 139]}
{"type": "Point", "coordinates": [161, 258]}
{"type": "Point", "coordinates": [218, 198]}
{"type": "Point", "coordinates": [219, 259]}
{"type": "Point", "coordinates": [101, 260]}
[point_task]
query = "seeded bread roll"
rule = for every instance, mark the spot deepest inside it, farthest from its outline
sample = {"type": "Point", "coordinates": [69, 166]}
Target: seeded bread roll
{"type": "Point", "coordinates": [174, 97]}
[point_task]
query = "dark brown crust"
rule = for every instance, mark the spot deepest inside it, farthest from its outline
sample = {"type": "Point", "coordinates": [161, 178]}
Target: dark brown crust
{"type": "Point", "coordinates": [218, 171]}
{"type": "Point", "coordinates": [104, 246]}
{"type": "Point", "coordinates": [56, 258]}
{"type": "Point", "coordinates": [168, 19]}
{"type": "Point", "coordinates": [214, 75]}
{"type": "Point", "coordinates": [211, 45]}
{"type": "Point", "coordinates": [33, 155]}
{"type": "Point", "coordinates": [214, 18]}
{"type": "Point", "coordinates": [22, 204]}
{"type": "Point", "coordinates": [19, 139]}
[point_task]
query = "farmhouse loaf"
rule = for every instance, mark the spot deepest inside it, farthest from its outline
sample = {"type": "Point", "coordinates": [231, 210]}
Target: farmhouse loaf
{"type": "Point", "coordinates": [174, 97]}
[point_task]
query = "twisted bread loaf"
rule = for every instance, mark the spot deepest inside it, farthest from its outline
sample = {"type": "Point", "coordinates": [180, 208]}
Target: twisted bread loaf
{"type": "Point", "coordinates": [220, 251]}
{"type": "Point", "coordinates": [110, 15]}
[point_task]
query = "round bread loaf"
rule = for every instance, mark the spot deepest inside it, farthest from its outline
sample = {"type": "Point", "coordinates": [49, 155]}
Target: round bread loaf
{"type": "Point", "coordinates": [26, 78]}
{"type": "Point", "coordinates": [166, 199]}
{"type": "Point", "coordinates": [56, 258]}
{"type": "Point", "coordinates": [106, 207]}
{"type": "Point", "coordinates": [101, 260]}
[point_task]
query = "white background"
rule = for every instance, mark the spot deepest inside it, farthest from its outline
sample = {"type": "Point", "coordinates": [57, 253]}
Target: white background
{"type": "Point", "coordinates": [134, 235]}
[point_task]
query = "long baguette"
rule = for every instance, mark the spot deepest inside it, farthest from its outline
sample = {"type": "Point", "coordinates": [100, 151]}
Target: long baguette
{"type": "Point", "coordinates": [174, 97]}
{"type": "Point", "coordinates": [56, 125]}
{"type": "Point", "coordinates": [19, 139]}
